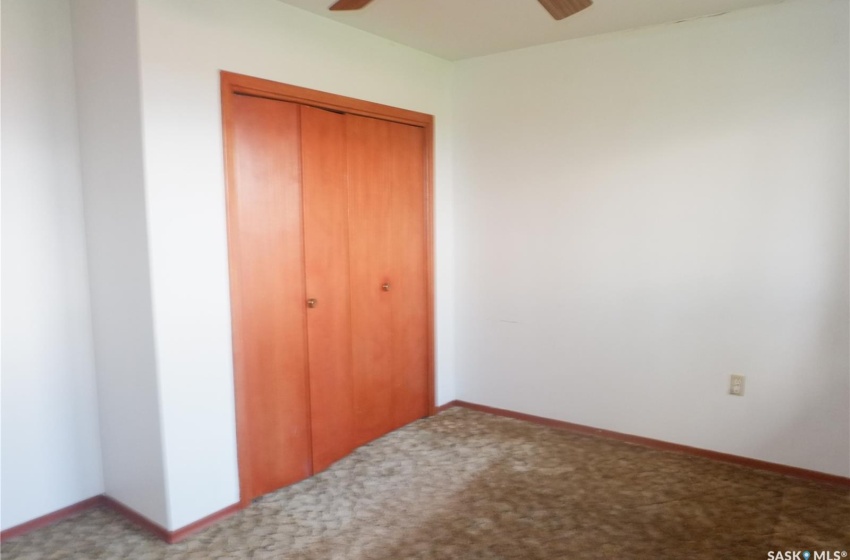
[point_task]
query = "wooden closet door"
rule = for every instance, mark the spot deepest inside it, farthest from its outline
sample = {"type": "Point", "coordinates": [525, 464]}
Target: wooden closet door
{"type": "Point", "coordinates": [369, 174]}
{"type": "Point", "coordinates": [408, 274]}
{"type": "Point", "coordinates": [324, 184]}
{"type": "Point", "coordinates": [267, 286]}
{"type": "Point", "coordinates": [388, 274]}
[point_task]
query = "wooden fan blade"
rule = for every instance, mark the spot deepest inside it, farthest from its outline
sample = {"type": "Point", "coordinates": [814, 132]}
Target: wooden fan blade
{"type": "Point", "coordinates": [349, 5]}
{"type": "Point", "coordinates": [560, 9]}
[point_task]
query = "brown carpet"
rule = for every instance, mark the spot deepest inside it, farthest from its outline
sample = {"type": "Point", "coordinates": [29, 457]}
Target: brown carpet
{"type": "Point", "coordinates": [468, 485]}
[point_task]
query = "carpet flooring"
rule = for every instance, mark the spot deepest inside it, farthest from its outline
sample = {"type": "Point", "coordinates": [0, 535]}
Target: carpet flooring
{"type": "Point", "coordinates": [469, 485]}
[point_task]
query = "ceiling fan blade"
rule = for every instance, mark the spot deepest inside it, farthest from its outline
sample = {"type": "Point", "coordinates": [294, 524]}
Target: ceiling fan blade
{"type": "Point", "coordinates": [349, 5]}
{"type": "Point", "coordinates": [560, 9]}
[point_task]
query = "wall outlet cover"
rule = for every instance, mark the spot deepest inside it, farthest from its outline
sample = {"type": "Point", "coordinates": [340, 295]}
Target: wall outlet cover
{"type": "Point", "coordinates": [736, 385]}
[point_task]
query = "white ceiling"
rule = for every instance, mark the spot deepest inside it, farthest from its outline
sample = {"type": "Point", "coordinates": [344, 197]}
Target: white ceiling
{"type": "Point", "coordinates": [456, 29]}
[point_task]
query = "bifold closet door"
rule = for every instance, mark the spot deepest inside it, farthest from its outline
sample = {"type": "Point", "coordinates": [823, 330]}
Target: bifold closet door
{"type": "Point", "coordinates": [409, 275]}
{"type": "Point", "coordinates": [267, 265]}
{"type": "Point", "coordinates": [387, 233]}
{"type": "Point", "coordinates": [324, 184]}
{"type": "Point", "coordinates": [329, 282]}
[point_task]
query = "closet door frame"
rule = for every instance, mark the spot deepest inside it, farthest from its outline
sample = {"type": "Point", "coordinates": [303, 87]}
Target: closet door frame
{"type": "Point", "coordinates": [238, 84]}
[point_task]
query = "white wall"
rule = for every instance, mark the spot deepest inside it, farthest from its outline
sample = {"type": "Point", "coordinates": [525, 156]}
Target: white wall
{"type": "Point", "coordinates": [184, 45]}
{"type": "Point", "coordinates": [642, 214]}
{"type": "Point", "coordinates": [107, 70]}
{"type": "Point", "coordinates": [50, 449]}
{"type": "Point", "coordinates": [636, 216]}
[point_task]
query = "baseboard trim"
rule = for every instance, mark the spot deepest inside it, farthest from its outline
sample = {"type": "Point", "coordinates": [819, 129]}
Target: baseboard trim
{"type": "Point", "coordinates": [130, 514]}
{"type": "Point", "coordinates": [757, 464]}
{"type": "Point", "coordinates": [448, 405]}
{"type": "Point", "coordinates": [137, 518]}
{"type": "Point", "coordinates": [177, 535]}
{"type": "Point", "coordinates": [51, 518]}
{"type": "Point", "coordinates": [201, 524]}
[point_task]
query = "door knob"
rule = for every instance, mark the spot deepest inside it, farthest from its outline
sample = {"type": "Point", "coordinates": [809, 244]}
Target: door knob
{"type": "Point", "coordinates": [311, 303]}
{"type": "Point", "coordinates": [385, 287]}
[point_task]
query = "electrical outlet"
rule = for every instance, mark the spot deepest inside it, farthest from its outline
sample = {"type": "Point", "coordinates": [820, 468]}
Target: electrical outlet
{"type": "Point", "coordinates": [736, 387]}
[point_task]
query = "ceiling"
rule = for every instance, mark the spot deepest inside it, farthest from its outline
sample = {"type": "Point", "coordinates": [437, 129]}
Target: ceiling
{"type": "Point", "coordinates": [457, 29]}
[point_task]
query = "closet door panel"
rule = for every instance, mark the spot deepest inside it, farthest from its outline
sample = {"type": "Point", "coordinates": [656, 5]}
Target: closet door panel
{"type": "Point", "coordinates": [324, 184]}
{"type": "Point", "coordinates": [409, 275]}
{"type": "Point", "coordinates": [268, 291]}
{"type": "Point", "coordinates": [370, 206]}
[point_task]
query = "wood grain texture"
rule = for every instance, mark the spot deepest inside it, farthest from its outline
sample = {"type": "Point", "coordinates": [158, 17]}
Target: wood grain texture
{"type": "Point", "coordinates": [428, 196]}
{"type": "Point", "coordinates": [408, 273]}
{"type": "Point", "coordinates": [325, 193]}
{"type": "Point", "coordinates": [389, 245]}
{"type": "Point", "coordinates": [248, 85]}
{"type": "Point", "coordinates": [560, 9]}
{"type": "Point", "coordinates": [370, 207]}
{"type": "Point", "coordinates": [266, 242]}
{"type": "Point", "coordinates": [232, 87]}
{"type": "Point", "coordinates": [233, 83]}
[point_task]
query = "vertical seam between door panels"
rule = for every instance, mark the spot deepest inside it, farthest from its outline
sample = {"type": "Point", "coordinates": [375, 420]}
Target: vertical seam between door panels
{"type": "Point", "coordinates": [306, 328]}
